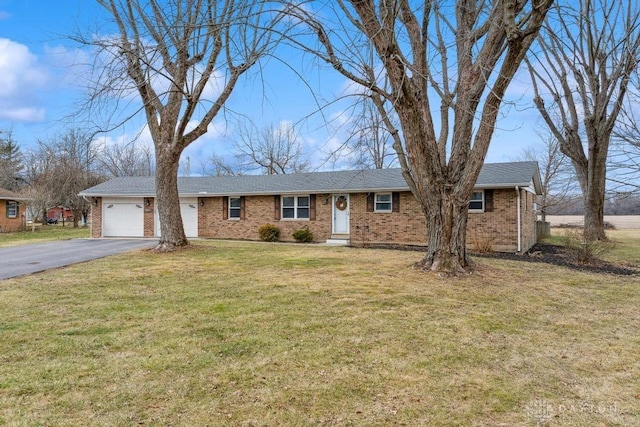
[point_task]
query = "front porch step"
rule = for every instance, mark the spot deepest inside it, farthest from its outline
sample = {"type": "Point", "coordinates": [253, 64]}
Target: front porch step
{"type": "Point", "coordinates": [339, 239]}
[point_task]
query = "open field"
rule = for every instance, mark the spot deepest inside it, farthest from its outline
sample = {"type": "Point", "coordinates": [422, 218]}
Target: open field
{"type": "Point", "coordinates": [255, 334]}
{"type": "Point", "coordinates": [47, 233]}
{"type": "Point", "coordinates": [621, 222]}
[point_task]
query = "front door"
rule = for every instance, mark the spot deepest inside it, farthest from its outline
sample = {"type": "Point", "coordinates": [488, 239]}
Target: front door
{"type": "Point", "coordinates": [340, 214]}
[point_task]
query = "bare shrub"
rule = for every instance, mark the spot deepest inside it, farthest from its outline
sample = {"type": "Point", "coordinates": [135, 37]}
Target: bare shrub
{"type": "Point", "coordinates": [583, 250]}
{"type": "Point", "coordinates": [483, 244]}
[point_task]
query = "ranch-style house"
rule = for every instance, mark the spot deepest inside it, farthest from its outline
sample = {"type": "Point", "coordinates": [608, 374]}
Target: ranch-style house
{"type": "Point", "coordinates": [357, 207]}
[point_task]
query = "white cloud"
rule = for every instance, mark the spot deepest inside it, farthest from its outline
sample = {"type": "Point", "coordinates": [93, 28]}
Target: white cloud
{"type": "Point", "coordinates": [19, 69]}
{"type": "Point", "coordinates": [22, 114]}
{"type": "Point", "coordinates": [21, 78]}
{"type": "Point", "coordinates": [4, 15]}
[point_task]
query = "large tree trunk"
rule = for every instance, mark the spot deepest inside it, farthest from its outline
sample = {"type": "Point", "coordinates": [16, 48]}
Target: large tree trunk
{"type": "Point", "coordinates": [592, 173]}
{"type": "Point", "coordinates": [171, 227]}
{"type": "Point", "coordinates": [447, 229]}
{"type": "Point", "coordinates": [593, 217]}
{"type": "Point", "coordinates": [593, 192]}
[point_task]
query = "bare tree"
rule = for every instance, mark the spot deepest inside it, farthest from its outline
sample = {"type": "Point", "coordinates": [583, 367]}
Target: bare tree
{"type": "Point", "coordinates": [624, 154]}
{"type": "Point", "coordinates": [217, 165]}
{"type": "Point", "coordinates": [184, 58]}
{"type": "Point", "coordinates": [461, 53]}
{"type": "Point", "coordinates": [554, 170]}
{"type": "Point", "coordinates": [272, 150]}
{"type": "Point", "coordinates": [125, 160]}
{"type": "Point", "coordinates": [70, 163]}
{"type": "Point", "coordinates": [11, 164]}
{"type": "Point", "coordinates": [370, 145]}
{"type": "Point", "coordinates": [589, 50]}
{"type": "Point", "coordinates": [39, 175]}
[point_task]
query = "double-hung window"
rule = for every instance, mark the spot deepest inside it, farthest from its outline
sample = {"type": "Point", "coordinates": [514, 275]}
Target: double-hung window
{"type": "Point", "coordinates": [12, 209]}
{"type": "Point", "coordinates": [383, 202]}
{"type": "Point", "coordinates": [295, 207]}
{"type": "Point", "coordinates": [476, 204]}
{"type": "Point", "coordinates": [235, 207]}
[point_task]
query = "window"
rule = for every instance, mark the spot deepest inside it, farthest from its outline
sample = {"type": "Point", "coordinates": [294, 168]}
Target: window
{"type": "Point", "coordinates": [383, 202]}
{"type": "Point", "coordinates": [295, 207]}
{"type": "Point", "coordinates": [12, 209]}
{"type": "Point", "coordinates": [235, 207]}
{"type": "Point", "coordinates": [476, 204]}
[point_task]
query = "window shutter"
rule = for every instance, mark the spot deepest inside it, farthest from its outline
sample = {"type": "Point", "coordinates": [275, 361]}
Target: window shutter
{"type": "Point", "coordinates": [395, 201]}
{"type": "Point", "coordinates": [242, 215]}
{"type": "Point", "coordinates": [312, 207]}
{"type": "Point", "coordinates": [17, 209]}
{"type": "Point", "coordinates": [6, 205]}
{"type": "Point", "coordinates": [276, 207]}
{"type": "Point", "coordinates": [225, 207]}
{"type": "Point", "coordinates": [371, 199]}
{"type": "Point", "coordinates": [488, 200]}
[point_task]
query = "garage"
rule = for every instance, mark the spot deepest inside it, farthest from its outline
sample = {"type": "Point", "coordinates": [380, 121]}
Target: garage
{"type": "Point", "coordinates": [123, 217]}
{"type": "Point", "coordinates": [189, 212]}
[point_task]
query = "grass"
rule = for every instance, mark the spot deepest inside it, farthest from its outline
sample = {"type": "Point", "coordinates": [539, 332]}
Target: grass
{"type": "Point", "coordinates": [258, 334]}
{"type": "Point", "coordinates": [43, 234]}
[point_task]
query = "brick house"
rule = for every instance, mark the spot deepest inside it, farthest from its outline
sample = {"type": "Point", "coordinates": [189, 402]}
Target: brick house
{"type": "Point", "coordinates": [356, 207]}
{"type": "Point", "coordinates": [11, 217]}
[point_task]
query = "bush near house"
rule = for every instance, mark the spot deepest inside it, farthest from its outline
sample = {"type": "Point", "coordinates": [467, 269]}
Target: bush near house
{"type": "Point", "coordinates": [304, 235]}
{"type": "Point", "coordinates": [269, 233]}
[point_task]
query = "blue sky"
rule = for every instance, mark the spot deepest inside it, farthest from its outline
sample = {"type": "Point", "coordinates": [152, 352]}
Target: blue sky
{"type": "Point", "coordinates": [40, 89]}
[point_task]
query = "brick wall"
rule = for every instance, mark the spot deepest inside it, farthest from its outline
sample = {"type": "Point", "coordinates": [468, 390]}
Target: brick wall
{"type": "Point", "coordinates": [529, 237]}
{"type": "Point", "coordinates": [408, 226]}
{"type": "Point", "coordinates": [259, 210]}
{"type": "Point", "coordinates": [404, 227]}
{"type": "Point", "coordinates": [149, 217]}
{"type": "Point", "coordinates": [96, 218]}
{"type": "Point", "coordinates": [11, 224]}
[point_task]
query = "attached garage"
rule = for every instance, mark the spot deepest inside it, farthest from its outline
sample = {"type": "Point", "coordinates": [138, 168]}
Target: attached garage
{"type": "Point", "coordinates": [123, 217]}
{"type": "Point", "coordinates": [189, 212]}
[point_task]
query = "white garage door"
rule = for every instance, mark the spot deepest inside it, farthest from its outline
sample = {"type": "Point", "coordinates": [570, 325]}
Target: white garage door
{"type": "Point", "coordinates": [189, 212]}
{"type": "Point", "coordinates": [123, 217]}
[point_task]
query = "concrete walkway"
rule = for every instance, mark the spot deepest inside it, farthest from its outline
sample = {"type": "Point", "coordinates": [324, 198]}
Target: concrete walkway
{"type": "Point", "coordinates": [28, 259]}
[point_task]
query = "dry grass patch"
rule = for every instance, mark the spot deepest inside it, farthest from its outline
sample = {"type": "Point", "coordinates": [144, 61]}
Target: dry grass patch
{"type": "Point", "coordinates": [272, 334]}
{"type": "Point", "coordinates": [43, 234]}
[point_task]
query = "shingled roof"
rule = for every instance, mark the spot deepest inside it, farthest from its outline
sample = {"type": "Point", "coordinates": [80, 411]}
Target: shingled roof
{"type": "Point", "coordinates": [493, 175]}
{"type": "Point", "coordinates": [8, 195]}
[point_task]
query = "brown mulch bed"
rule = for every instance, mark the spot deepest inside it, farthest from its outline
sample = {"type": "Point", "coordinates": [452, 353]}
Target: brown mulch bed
{"type": "Point", "coordinates": [558, 255]}
{"type": "Point", "coordinates": [543, 253]}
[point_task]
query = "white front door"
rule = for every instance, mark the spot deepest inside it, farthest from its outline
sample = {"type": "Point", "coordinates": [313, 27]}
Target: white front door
{"type": "Point", "coordinates": [340, 214]}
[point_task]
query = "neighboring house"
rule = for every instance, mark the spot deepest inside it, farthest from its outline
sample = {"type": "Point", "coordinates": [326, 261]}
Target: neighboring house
{"type": "Point", "coordinates": [11, 218]}
{"type": "Point", "coordinates": [60, 213]}
{"type": "Point", "coordinates": [356, 207]}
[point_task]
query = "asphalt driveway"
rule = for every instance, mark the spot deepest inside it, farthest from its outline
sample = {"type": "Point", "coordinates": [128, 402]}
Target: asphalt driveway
{"type": "Point", "coordinates": [28, 259]}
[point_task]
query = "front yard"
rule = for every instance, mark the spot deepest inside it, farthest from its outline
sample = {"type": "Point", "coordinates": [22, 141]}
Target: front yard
{"type": "Point", "coordinates": [43, 233]}
{"type": "Point", "coordinates": [259, 334]}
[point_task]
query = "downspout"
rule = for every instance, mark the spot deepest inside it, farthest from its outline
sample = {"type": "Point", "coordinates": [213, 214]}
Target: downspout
{"type": "Point", "coordinates": [518, 219]}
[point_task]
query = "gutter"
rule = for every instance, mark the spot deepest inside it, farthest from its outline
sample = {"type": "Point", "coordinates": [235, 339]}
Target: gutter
{"type": "Point", "coordinates": [519, 225]}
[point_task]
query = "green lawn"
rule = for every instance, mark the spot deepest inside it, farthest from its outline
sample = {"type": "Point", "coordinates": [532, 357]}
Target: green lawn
{"type": "Point", "coordinates": [256, 334]}
{"type": "Point", "coordinates": [42, 233]}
